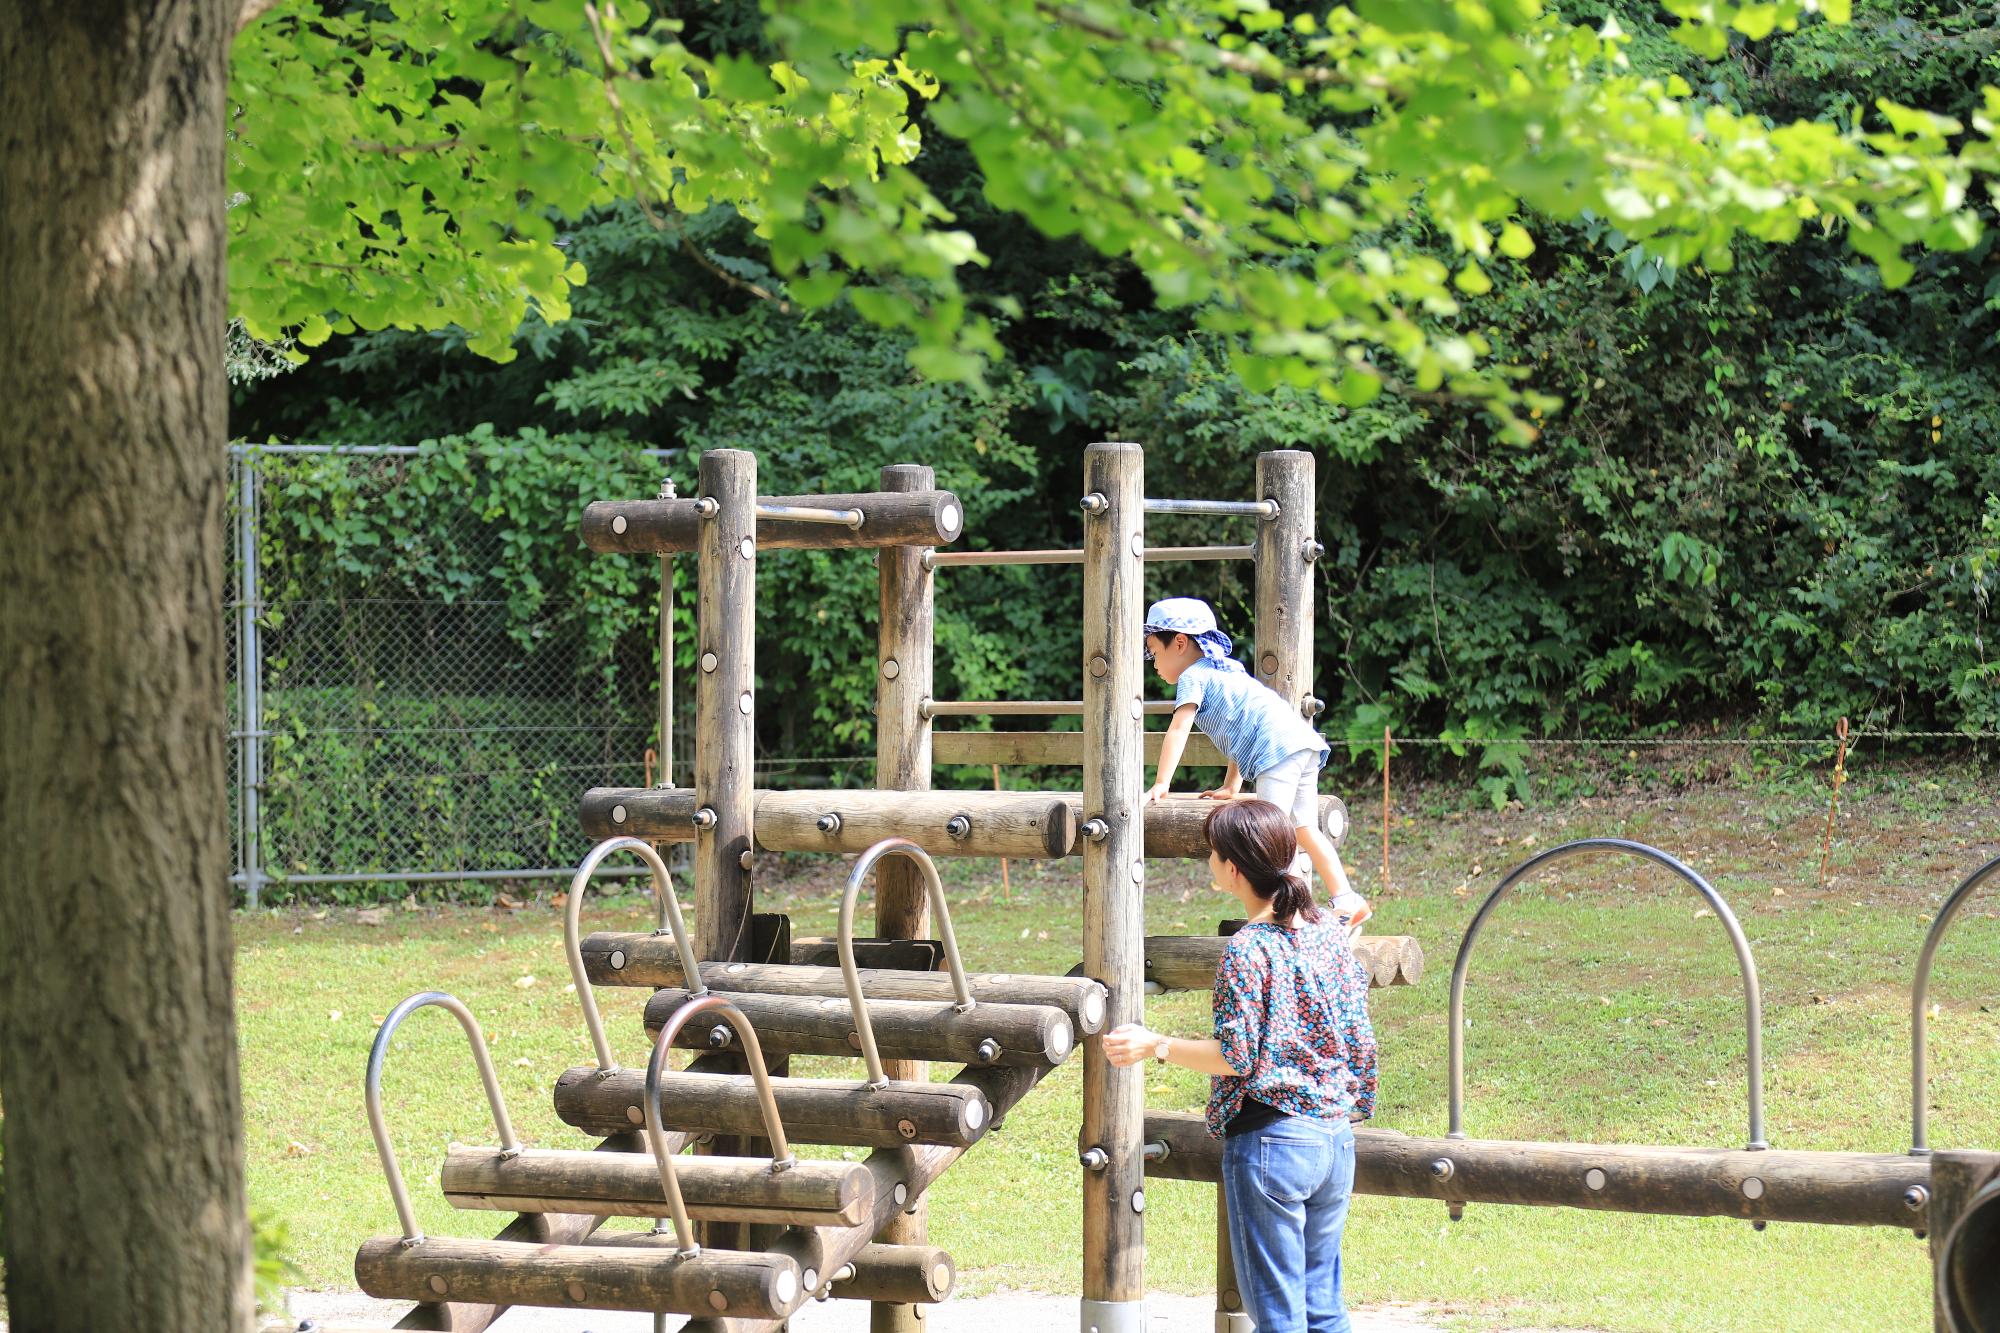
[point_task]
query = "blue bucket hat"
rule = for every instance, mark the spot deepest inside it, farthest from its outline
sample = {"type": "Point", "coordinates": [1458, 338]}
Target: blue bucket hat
{"type": "Point", "coordinates": [1193, 617]}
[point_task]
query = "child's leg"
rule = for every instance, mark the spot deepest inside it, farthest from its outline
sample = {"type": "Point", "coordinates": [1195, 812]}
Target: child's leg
{"type": "Point", "coordinates": [1326, 859]}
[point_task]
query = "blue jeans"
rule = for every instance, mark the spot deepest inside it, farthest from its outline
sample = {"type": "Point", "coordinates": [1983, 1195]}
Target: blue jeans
{"type": "Point", "coordinates": [1287, 1186]}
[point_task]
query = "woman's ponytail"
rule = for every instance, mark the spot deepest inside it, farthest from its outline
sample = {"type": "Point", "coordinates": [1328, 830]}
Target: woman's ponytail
{"type": "Point", "coordinates": [1256, 837]}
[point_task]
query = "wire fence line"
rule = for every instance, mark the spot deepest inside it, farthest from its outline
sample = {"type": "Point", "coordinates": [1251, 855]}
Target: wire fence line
{"type": "Point", "coordinates": [378, 735]}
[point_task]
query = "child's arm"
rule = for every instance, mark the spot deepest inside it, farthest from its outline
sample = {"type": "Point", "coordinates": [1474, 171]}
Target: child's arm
{"type": "Point", "coordinates": [1171, 746]}
{"type": "Point", "coordinates": [1232, 783]}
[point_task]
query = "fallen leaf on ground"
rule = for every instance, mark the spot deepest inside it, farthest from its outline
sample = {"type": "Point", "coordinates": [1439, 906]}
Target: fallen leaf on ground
{"type": "Point", "coordinates": [508, 901]}
{"type": "Point", "coordinates": [524, 982]}
{"type": "Point", "coordinates": [371, 916]}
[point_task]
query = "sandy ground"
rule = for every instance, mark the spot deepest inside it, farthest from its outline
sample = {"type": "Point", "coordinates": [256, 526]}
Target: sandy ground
{"type": "Point", "coordinates": [1009, 1313]}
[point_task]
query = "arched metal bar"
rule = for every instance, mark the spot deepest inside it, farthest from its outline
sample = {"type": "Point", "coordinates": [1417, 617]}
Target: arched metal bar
{"type": "Point", "coordinates": [961, 989]}
{"type": "Point", "coordinates": [1753, 1001]}
{"type": "Point", "coordinates": [1919, 996]}
{"type": "Point", "coordinates": [667, 903]}
{"type": "Point", "coordinates": [509, 1145]}
{"type": "Point", "coordinates": [656, 1138]}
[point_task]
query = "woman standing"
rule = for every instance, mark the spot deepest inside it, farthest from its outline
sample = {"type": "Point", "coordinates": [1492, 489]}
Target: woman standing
{"type": "Point", "coordinates": [1292, 1064]}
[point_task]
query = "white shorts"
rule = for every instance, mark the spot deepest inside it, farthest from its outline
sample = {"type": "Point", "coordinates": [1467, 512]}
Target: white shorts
{"type": "Point", "coordinates": [1292, 784]}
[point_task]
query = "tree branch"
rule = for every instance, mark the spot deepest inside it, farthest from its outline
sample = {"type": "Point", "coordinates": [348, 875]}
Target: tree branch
{"type": "Point", "coordinates": [251, 11]}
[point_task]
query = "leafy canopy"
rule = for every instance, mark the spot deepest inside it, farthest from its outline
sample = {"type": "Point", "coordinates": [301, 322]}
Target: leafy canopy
{"type": "Point", "coordinates": [410, 165]}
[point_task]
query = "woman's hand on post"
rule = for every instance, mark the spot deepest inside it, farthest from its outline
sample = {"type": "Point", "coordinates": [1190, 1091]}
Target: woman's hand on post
{"type": "Point", "coordinates": [1156, 792]}
{"type": "Point", "coordinates": [1128, 1044]}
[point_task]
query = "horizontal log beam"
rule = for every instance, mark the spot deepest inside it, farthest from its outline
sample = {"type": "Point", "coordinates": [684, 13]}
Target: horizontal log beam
{"type": "Point", "coordinates": [1188, 962]}
{"type": "Point", "coordinates": [943, 823]}
{"type": "Point", "coordinates": [1177, 827]}
{"type": "Point", "coordinates": [640, 1273]}
{"type": "Point", "coordinates": [1053, 749]}
{"type": "Point", "coordinates": [1018, 1034]}
{"type": "Point", "coordinates": [812, 1110]}
{"type": "Point", "coordinates": [715, 1189]}
{"type": "Point", "coordinates": [1842, 1189]}
{"type": "Point", "coordinates": [897, 1275]}
{"type": "Point", "coordinates": [618, 958]}
{"type": "Point", "coordinates": [888, 518]}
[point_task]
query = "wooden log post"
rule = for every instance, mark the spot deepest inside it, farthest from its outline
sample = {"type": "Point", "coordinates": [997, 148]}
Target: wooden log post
{"type": "Point", "coordinates": [903, 764]}
{"type": "Point", "coordinates": [846, 821]}
{"type": "Point", "coordinates": [1114, 872]}
{"type": "Point", "coordinates": [918, 518]}
{"type": "Point", "coordinates": [1284, 626]}
{"type": "Point", "coordinates": [725, 734]}
{"type": "Point", "coordinates": [1964, 1221]}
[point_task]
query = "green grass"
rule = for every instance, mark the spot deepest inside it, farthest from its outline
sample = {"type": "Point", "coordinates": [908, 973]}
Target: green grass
{"type": "Point", "coordinates": [1602, 1009]}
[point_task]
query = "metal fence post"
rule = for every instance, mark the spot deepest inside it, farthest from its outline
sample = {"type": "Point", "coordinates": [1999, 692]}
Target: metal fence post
{"type": "Point", "coordinates": [249, 674]}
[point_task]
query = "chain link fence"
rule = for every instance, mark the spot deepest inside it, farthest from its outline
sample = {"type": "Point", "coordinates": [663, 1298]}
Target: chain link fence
{"type": "Point", "coordinates": [382, 733]}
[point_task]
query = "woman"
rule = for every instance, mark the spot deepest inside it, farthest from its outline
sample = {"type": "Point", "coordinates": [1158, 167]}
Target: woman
{"type": "Point", "coordinates": [1293, 1063]}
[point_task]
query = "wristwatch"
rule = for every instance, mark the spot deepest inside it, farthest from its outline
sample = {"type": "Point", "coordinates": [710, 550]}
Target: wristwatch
{"type": "Point", "coordinates": [1162, 1048]}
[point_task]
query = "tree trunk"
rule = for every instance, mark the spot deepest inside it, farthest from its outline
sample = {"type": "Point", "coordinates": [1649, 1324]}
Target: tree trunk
{"type": "Point", "coordinates": [122, 1134]}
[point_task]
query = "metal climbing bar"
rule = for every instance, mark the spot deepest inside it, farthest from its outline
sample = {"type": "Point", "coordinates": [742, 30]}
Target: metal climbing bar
{"type": "Point", "coordinates": [372, 1094]}
{"type": "Point", "coordinates": [667, 904]}
{"type": "Point", "coordinates": [1264, 509]}
{"type": "Point", "coordinates": [961, 990]}
{"type": "Point", "coordinates": [1919, 1002]}
{"type": "Point", "coordinates": [1024, 707]}
{"type": "Point", "coordinates": [948, 559]}
{"type": "Point", "coordinates": [1753, 1003]}
{"type": "Point", "coordinates": [656, 1137]}
{"type": "Point", "coordinates": [846, 518]}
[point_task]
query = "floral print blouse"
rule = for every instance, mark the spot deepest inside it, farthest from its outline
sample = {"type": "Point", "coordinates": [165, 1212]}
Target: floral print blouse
{"type": "Point", "coordinates": [1291, 1007]}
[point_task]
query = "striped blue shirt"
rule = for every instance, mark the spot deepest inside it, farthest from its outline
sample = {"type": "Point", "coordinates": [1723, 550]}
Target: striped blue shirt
{"type": "Point", "coordinates": [1248, 721]}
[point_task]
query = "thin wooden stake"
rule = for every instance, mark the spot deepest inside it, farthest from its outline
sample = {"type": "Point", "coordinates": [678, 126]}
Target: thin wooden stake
{"type": "Point", "coordinates": [1006, 885]}
{"type": "Point", "coordinates": [1839, 780]}
{"type": "Point", "coordinates": [1385, 809]}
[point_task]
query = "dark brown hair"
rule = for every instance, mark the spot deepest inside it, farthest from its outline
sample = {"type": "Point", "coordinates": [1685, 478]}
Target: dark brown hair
{"type": "Point", "coordinates": [1256, 837]}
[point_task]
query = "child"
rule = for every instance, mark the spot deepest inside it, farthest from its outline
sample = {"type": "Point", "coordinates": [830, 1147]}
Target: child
{"type": "Point", "coordinates": [1267, 742]}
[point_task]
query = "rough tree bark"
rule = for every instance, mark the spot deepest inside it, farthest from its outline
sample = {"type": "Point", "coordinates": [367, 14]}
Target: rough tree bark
{"type": "Point", "coordinates": [122, 1134]}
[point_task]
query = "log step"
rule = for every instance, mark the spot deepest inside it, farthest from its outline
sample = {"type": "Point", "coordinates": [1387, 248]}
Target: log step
{"type": "Point", "coordinates": [846, 1112]}
{"type": "Point", "coordinates": [641, 1273]}
{"type": "Point", "coordinates": [715, 1189]}
{"type": "Point", "coordinates": [1188, 962]}
{"type": "Point", "coordinates": [1020, 1035]}
{"type": "Point", "coordinates": [1851, 1189]}
{"type": "Point", "coordinates": [896, 1275]}
{"type": "Point", "coordinates": [614, 958]}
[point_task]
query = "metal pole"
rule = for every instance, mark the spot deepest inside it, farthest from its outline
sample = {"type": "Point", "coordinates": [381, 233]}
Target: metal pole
{"type": "Point", "coordinates": [249, 675]}
{"type": "Point", "coordinates": [1265, 509]}
{"type": "Point", "coordinates": [667, 653]}
{"type": "Point", "coordinates": [947, 559]}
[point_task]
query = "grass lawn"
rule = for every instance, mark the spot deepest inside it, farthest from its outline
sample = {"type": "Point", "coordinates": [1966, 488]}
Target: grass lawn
{"type": "Point", "coordinates": [1603, 1007]}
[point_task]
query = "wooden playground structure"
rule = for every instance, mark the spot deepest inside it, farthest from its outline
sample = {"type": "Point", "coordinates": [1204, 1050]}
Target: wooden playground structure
{"type": "Point", "coordinates": [744, 1231]}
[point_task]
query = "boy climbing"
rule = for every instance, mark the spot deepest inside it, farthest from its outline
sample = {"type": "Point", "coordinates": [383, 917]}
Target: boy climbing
{"type": "Point", "coordinates": [1267, 742]}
